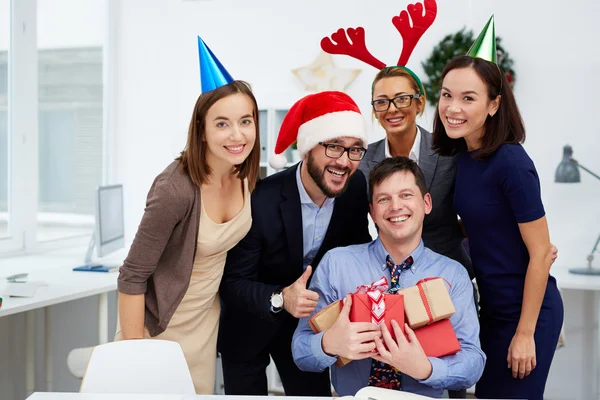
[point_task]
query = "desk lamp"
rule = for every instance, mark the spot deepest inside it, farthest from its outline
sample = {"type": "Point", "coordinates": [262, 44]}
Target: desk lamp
{"type": "Point", "coordinates": [568, 172]}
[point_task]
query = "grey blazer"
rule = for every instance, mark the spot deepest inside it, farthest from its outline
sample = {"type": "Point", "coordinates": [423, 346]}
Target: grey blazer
{"type": "Point", "coordinates": [441, 232]}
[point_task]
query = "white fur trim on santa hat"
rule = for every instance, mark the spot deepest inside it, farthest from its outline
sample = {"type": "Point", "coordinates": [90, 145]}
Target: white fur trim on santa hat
{"type": "Point", "coordinates": [277, 161]}
{"type": "Point", "coordinates": [331, 126]}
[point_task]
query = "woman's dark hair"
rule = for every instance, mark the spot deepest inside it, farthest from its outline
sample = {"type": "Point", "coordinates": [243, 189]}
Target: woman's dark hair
{"type": "Point", "coordinates": [506, 126]}
{"type": "Point", "coordinates": [193, 157]}
{"type": "Point", "coordinates": [389, 166]}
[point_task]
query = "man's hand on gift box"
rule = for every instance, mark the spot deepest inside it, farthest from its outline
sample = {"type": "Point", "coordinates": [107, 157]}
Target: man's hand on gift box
{"type": "Point", "coordinates": [351, 340]}
{"type": "Point", "coordinates": [297, 299]}
{"type": "Point", "coordinates": [404, 354]}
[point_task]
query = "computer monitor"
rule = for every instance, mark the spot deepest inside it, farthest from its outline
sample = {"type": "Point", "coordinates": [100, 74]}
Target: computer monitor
{"type": "Point", "coordinates": [109, 232]}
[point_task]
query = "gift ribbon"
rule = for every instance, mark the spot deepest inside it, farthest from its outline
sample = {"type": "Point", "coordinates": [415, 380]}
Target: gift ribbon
{"type": "Point", "coordinates": [424, 296]}
{"type": "Point", "coordinates": [376, 292]}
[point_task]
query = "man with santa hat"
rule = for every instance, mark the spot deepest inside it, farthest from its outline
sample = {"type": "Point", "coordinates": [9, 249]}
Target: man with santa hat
{"type": "Point", "coordinates": [298, 214]}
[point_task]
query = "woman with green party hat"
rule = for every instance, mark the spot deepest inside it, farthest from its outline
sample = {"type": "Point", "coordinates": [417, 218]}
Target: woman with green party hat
{"type": "Point", "coordinates": [497, 196]}
{"type": "Point", "coordinates": [197, 209]}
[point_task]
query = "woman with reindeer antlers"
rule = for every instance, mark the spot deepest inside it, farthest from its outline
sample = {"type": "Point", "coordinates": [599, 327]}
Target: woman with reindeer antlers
{"type": "Point", "coordinates": [397, 98]}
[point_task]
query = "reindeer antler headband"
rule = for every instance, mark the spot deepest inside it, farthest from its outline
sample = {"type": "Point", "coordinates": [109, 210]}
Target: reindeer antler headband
{"type": "Point", "coordinates": [351, 41]}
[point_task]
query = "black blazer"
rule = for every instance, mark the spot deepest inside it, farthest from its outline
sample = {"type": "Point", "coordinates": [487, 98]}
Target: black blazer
{"type": "Point", "coordinates": [271, 257]}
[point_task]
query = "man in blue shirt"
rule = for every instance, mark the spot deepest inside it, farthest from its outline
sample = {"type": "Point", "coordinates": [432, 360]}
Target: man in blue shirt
{"type": "Point", "coordinates": [399, 202]}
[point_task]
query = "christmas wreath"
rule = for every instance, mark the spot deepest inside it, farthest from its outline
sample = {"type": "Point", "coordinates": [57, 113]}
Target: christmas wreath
{"type": "Point", "coordinates": [451, 46]}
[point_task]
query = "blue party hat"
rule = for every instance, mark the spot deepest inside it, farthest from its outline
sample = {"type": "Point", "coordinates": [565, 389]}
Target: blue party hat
{"type": "Point", "coordinates": [212, 73]}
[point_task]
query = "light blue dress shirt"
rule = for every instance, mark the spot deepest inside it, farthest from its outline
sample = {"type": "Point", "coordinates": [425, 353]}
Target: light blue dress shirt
{"type": "Point", "coordinates": [315, 221]}
{"type": "Point", "coordinates": [343, 269]}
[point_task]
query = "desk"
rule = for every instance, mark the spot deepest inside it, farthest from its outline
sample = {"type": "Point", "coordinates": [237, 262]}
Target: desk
{"type": "Point", "coordinates": [98, 396]}
{"type": "Point", "coordinates": [590, 284]}
{"type": "Point", "coordinates": [94, 396]}
{"type": "Point", "coordinates": [62, 284]}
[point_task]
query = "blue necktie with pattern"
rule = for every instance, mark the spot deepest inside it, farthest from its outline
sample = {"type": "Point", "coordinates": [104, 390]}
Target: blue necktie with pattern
{"type": "Point", "coordinates": [382, 374]}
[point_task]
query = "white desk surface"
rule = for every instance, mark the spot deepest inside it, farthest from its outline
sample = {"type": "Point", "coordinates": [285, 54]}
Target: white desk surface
{"type": "Point", "coordinates": [567, 280]}
{"type": "Point", "coordinates": [97, 396]}
{"type": "Point", "coordinates": [61, 283]}
{"type": "Point", "coordinates": [94, 396]}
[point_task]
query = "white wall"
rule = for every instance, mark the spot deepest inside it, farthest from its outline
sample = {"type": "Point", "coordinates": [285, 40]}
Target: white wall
{"type": "Point", "coordinates": [157, 80]}
{"type": "Point", "coordinates": [261, 41]}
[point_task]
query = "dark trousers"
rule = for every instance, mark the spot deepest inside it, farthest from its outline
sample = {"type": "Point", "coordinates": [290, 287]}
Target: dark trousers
{"type": "Point", "coordinates": [457, 394]}
{"type": "Point", "coordinates": [250, 378]}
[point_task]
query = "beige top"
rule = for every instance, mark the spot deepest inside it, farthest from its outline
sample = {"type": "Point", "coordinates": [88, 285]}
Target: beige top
{"type": "Point", "coordinates": [195, 323]}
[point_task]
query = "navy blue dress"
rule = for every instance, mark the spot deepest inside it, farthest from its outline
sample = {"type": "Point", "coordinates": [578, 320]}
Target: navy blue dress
{"type": "Point", "coordinates": [492, 197]}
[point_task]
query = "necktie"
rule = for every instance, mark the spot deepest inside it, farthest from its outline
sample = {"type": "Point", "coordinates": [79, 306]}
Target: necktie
{"type": "Point", "coordinates": [382, 374]}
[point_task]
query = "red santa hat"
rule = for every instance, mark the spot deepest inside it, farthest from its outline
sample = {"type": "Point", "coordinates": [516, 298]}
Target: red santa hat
{"type": "Point", "coordinates": [317, 118]}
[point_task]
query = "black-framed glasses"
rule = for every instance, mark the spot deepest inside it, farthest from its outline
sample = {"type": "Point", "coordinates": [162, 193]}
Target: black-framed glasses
{"type": "Point", "coordinates": [403, 101]}
{"type": "Point", "coordinates": [333, 150]}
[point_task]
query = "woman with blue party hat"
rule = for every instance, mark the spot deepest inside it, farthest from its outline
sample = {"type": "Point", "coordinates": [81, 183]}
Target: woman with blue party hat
{"type": "Point", "coordinates": [498, 198]}
{"type": "Point", "coordinates": [196, 210]}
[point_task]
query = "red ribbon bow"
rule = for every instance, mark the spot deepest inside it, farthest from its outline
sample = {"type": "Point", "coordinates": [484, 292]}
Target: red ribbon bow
{"type": "Point", "coordinates": [380, 286]}
{"type": "Point", "coordinates": [376, 292]}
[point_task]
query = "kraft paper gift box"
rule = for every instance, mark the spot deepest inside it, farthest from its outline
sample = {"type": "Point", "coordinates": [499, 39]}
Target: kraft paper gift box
{"type": "Point", "coordinates": [324, 319]}
{"type": "Point", "coordinates": [438, 339]}
{"type": "Point", "coordinates": [427, 302]}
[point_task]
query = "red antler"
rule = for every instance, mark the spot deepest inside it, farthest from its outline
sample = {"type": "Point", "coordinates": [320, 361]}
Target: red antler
{"type": "Point", "coordinates": [411, 35]}
{"type": "Point", "coordinates": [357, 49]}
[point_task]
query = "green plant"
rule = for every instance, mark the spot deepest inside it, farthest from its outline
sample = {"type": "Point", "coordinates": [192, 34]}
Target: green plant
{"type": "Point", "coordinates": [453, 45]}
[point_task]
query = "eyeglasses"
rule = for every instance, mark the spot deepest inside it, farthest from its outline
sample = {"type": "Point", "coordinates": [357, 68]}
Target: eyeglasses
{"type": "Point", "coordinates": [403, 101]}
{"type": "Point", "coordinates": [333, 150]}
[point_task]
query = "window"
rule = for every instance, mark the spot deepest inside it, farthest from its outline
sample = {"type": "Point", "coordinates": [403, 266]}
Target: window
{"type": "Point", "coordinates": [52, 115]}
{"type": "Point", "coordinates": [70, 141]}
{"type": "Point", "coordinates": [4, 142]}
{"type": "Point", "coordinates": [70, 136]}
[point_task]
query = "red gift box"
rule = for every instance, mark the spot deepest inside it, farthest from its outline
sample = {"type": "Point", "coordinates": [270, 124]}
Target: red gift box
{"type": "Point", "coordinates": [372, 304]}
{"type": "Point", "coordinates": [438, 339]}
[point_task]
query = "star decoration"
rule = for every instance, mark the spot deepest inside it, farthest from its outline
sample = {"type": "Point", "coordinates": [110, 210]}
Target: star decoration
{"type": "Point", "coordinates": [322, 75]}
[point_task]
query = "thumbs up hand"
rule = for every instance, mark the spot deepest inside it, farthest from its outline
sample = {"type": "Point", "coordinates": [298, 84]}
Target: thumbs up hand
{"type": "Point", "coordinates": [352, 340]}
{"type": "Point", "coordinates": [297, 299]}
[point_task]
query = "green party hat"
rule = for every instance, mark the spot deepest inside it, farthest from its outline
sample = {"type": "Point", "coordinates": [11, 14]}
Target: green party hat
{"type": "Point", "coordinates": [485, 45]}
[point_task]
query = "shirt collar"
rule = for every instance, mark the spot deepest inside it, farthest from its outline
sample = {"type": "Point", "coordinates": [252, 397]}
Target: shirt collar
{"type": "Point", "coordinates": [414, 151]}
{"type": "Point", "coordinates": [381, 254]}
{"type": "Point", "coordinates": [304, 197]}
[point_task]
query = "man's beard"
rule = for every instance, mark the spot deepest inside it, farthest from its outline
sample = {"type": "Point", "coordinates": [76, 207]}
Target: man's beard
{"type": "Point", "coordinates": [318, 176]}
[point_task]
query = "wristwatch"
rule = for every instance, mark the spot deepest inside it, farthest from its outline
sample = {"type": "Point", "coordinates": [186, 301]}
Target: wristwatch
{"type": "Point", "coordinates": [277, 300]}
